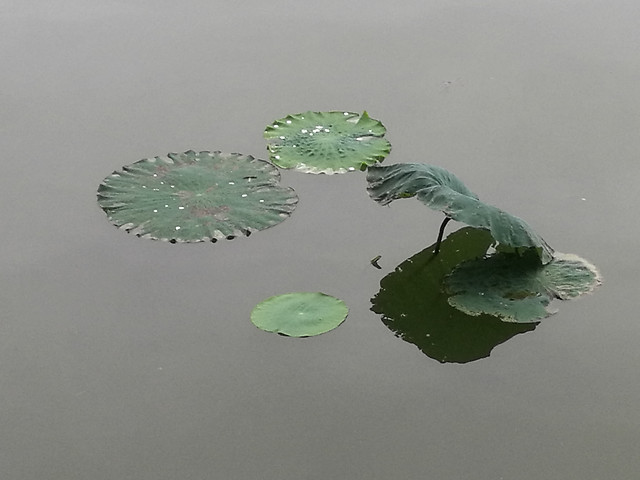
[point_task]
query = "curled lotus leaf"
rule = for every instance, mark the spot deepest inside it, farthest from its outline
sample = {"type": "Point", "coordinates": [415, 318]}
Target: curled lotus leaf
{"type": "Point", "coordinates": [518, 288]}
{"type": "Point", "coordinates": [196, 196]}
{"type": "Point", "coordinates": [299, 314]}
{"type": "Point", "coordinates": [441, 190]}
{"type": "Point", "coordinates": [326, 142]}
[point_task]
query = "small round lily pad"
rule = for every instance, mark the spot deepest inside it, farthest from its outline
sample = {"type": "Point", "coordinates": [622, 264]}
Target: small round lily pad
{"type": "Point", "coordinates": [326, 142]}
{"type": "Point", "coordinates": [196, 196]}
{"type": "Point", "coordinates": [300, 314]}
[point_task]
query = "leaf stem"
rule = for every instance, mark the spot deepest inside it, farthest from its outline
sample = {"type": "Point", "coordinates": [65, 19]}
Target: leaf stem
{"type": "Point", "coordinates": [440, 234]}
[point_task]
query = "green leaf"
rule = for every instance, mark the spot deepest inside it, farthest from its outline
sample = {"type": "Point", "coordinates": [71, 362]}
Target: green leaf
{"type": "Point", "coordinates": [196, 196]}
{"type": "Point", "coordinates": [440, 190]}
{"type": "Point", "coordinates": [517, 288]}
{"type": "Point", "coordinates": [301, 314]}
{"type": "Point", "coordinates": [326, 142]}
{"type": "Point", "coordinates": [414, 306]}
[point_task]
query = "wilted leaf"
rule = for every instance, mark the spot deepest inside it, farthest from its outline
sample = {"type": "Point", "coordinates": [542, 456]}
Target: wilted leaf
{"type": "Point", "coordinates": [440, 190]}
{"type": "Point", "coordinates": [196, 196]}
{"type": "Point", "coordinates": [326, 142]}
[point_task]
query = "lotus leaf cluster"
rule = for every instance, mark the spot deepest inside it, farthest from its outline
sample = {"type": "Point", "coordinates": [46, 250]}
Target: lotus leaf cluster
{"type": "Point", "coordinates": [498, 268]}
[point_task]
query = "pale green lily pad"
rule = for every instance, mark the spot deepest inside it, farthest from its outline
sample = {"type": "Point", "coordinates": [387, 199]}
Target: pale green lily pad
{"type": "Point", "coordinates": [326, 142]}
{"type": "Point", "coordinates": [441, 190]}
{"type": "Point", "coordinates": [196, 196]}
{"type": "Point", "coordinates": [517, 288]}
{"type": "Point", "coordinates": [301, 314]}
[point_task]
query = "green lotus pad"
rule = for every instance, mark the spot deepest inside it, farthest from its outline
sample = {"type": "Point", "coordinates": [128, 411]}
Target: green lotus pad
{"type": "Point", "coordinates": [441, 190]}
{"type": "Point", "coordinates": [196, 196]}
{"type": "Point", "coordinates": [326, 142]}
{"type": "Point", "coordinates": [517, 288]}
{"type": "Point", "coordinates": [302, 314]}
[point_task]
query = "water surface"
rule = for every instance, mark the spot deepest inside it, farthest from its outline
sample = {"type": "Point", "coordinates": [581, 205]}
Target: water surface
{"type": "Point", "coordinates": [131, 359]}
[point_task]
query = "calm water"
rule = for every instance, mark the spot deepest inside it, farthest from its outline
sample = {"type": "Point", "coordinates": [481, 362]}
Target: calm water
{"type": "Point", "coordinates": [129, 359]}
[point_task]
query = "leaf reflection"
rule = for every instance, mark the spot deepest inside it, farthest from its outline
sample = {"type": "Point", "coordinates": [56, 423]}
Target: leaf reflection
{"type": "Point", "coordinates": [414, 307]}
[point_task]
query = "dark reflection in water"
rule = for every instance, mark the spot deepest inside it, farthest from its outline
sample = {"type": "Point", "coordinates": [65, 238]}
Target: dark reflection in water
{"type": "Point", "coordinates": [414, 307]}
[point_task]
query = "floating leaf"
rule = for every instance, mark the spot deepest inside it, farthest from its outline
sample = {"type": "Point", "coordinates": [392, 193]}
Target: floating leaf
{"type": "Point", "coordinates": [193, 197]}
{"type": "Point", "coordinates": [326, 142]}
{"type": "Point", "coordinates": [415, 308]}
{"type": "Point", "coordinates": [517, 288]}
{"type": "Point", "coordinates": [299, 314]}
{"type": "Point", "coordinates": [443, 191]}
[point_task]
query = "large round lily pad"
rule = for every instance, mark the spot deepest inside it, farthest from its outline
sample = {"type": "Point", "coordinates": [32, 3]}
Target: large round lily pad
{"type": "Point", "coordinates": [326, 142]}
{"type": "Point", "coordinates": [301, 314]}
{"type": "Point", "coordinates": [196, 196]}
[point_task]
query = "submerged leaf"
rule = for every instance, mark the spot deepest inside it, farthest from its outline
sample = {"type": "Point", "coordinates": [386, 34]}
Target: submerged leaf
{"type": "Point", "coordinates": [326, 142]}
{"type": "Point", "coordinates": [302, 314]}
{"type": "Point", "coordinates": [440, 190]}
{"type": "Point", "coordinates": [517, 288]}
{"type": "Point", "coordinates": [196, 196]}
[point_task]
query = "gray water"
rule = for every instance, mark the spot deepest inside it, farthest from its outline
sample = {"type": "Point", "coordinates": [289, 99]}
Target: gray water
{"type": "Point", "coordinates": [122, 358]}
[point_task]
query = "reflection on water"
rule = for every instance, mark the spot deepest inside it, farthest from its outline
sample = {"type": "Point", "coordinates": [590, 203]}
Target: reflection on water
{"type": "Point", "coordinates": [414, 307]}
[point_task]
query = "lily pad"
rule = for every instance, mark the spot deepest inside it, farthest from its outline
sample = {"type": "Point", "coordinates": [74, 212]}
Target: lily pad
{"type": "Point", "coordinates": [441, 190]}
{"type": "Point", "coordinates": [196, 196]}
{"type": "Point", "coordinates": [301, 314]}
{"type": "Point", "coordinates": [326, 142]}
{"type": "Point", "coordinates": [517, 288]}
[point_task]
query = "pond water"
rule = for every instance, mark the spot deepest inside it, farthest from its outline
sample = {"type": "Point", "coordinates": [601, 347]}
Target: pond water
{"type": "Point", "coordinates": [132, 359]}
